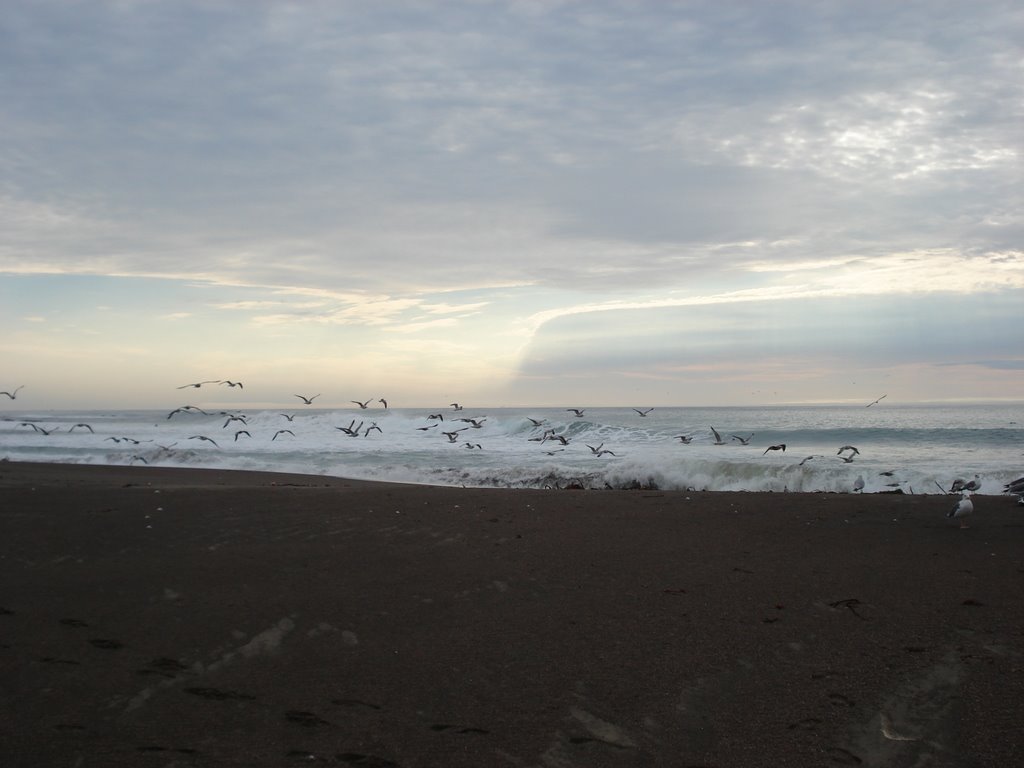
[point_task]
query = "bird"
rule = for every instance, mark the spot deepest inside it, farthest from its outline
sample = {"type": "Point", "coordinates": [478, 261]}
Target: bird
{"type": "Point", "coordinates": [233, 383]}
{"type": "Point", "coordinates": [282, 432]}
{"type": "Point", "coordinates": [37, 428]}
{"type": "Point", "coordinates": [133, 459]}
{"type": "Point", "coordinates": [475, 423]}
{"type": "Point", "coordinates": [373, 426]}
{"type": "Point", "coordinates": [643, 413]}
{"type": "Point", "coordinates": [718, 437]}
{"type": "Point", "coordinates": [684, 439]}
{"type": "Point", "coordinates": [456, 406]}
{"type": "Point", "coordinates": [13, 395]}
{"type": "Point", "coordinates": [577, 411]}
{"type": "Point", "coordinates": [361, 405]}
{"type": "Point", "coordinates": [605, 452]}
{"type": "Point", "coordinates": [594, 450]}
{"type": "Point", "coordinates": [289, 416]}
{"type": "Point", "coordinates": [436, 416]}
{"type": "Point", "coordinates": [242, 432]}
{"type": "Point", "coordinates": [307, 400]}
{"type": "Point", "coordinates": [973, 485]}
{"type": "Point", "coordinates": [198, 384]}
{"type": "Point", "coordinates": [204, 437]}
{"type": "Point", "coordinates": [424, 429]}
{"type": "Point", "coordinates": [187, 409]}
{"type": "Point", "coordinates": [855, 452]}
{"type": "Point", "coordinates": [383, 402]}
{"type": "Point", "coordinates": [743, 440]}
{"type": "Point", "coordinates": [957, 486]}
{"type": "Point", "coordinates": [84, 426]}
{"type": "Point", "coordinates": [876, 401]}
{"type": "Point", "coordinates": [453, 436]}
{"type": "Point", "coordinates": [235, 418]}
{"type": "Point", "coordinates": [847, 459]}
{"type": "Point", "coordinates": [779, 447]}
{"type": "Point", "coordinates": [858, 484]}
{"type": "Point", "coordinates": [474, 445]}
{"type": "Point", "coordinates": [808, 458]}
{"type": "Point", "coordinates": [537, 422]}
{"type": "Point", "coordinates": [962, 509]}
{"type": "Point", "coordinates": [1015, 487]}
{"type": "Point", "coordinates": [350, 430]}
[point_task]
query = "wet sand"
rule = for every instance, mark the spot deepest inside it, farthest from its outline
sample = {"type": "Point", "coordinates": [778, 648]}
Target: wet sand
{"type": "Point", "coordinates": [157, 617]}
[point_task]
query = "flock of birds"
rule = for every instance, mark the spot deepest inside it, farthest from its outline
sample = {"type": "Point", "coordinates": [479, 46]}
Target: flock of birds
{"type": "Point", "coordinates": [846, 453]}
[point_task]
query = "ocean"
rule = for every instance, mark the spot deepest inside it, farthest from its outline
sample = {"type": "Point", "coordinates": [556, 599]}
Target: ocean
{"type": "Point", "coordinates": [900, 448]}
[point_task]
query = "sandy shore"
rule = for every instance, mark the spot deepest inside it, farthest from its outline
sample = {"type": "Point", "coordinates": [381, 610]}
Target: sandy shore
{"type": "Point", "coordinates": [189, 617]}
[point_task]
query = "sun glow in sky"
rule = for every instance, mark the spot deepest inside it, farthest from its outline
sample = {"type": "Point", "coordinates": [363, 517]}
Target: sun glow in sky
{"type": "Point", "coordinates": [511, 203]}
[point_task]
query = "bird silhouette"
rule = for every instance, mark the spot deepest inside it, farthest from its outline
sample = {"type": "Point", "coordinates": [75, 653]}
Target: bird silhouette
{"type": "Point", "coordinates": [307, 400]}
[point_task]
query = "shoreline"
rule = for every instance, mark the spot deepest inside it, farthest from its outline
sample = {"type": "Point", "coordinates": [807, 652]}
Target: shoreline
{"type": "Point", "coordinates": [225, 476]}
{"type": "Point", "coordinates": [228, 617]}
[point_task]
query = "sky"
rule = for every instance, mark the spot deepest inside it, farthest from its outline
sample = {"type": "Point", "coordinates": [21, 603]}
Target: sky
{"type": "Point", "coordinates": [521, 203]}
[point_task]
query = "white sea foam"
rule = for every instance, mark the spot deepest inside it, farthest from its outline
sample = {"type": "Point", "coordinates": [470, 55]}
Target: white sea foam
{"type": "Point", "coordinates": [923, 447]}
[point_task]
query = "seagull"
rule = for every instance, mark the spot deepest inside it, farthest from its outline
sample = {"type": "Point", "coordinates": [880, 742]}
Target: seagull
{"type": "Point", "coordinates": [779, 447]}
{"type": "Point", "coordinates": [453, 436]}
{"type": "Point", "coordinates": [85, 426]}
{"type": "Point", "coordinates": [718, 437]}
{"type": "Point", "coordinates": [476, 423]}
{"type": "Point", "coordinates": [233, 383]}
{"type": "Point", "coordinates": [962, 508]}
{"type": "Point", "coordinates": [560, 438]}
{"type": "Point", "coordinates": [973, 485]}
{"type": "Point", "coordinates": [957, 486]}
{"type": "Point", "coordinates": [204, 437]}
{"type": "Point", "coordinates": [361, 405]}
{"type": "Point", "coordinates": [684, 439]}
{"type": "Point", "coordinates": [289, 416]}
{"type": "Point", "coordinates": [848, 448]}
{"type": "Point", "coordinates": [424, 429]}
{"type": "Point", "coordinates": [307, 400]}
{"type": "Point", "coordinates": [474, 445]}
{"type": "Point", "coordinates": [552, 453]}
{"type": "Point", "coordinates": [37, 428]}
{"type": "Point", "coordinates": [643, 413]}
{"type": "Point", "coordinates": [577, 411]}
{"type": "Point", "coordinates": [235, 418]}
{"type": "Point", "coordinates": [605, 452]}
{"type": "Point", "coordinates": [537, 422]}
{"type": "Point", "coordinates": [804, 461]}
{"type": "Point", "coordinates": [187, 409]}
{"type": "Point", "coordinates": [373, 426]}
{"type": "Point", "coordinates": [242, 432]}
{"type": "Point", "coordinates": [876, 401]}
{"type": "Point", "coordinates": [133, 459]}
{"type": "Point", "coordinates": [436, 416]}
{"type": "Point", "coordinates": [383, 402]}
{"type": "Point", "coordinates": [594, 450]}
{"type": "Point", "coordinates": [456, 406]}
{"type": "Point", "coordinates": [198, 384]}
{"type": "Point", "coordinates": [282, 432]}
{"type": "Point", "coordinates": [13, 395]}
{"type": "Point", "coordinates": [350, 430]}
{"type": "Point", "coordinates": [1015, 486]}
{"type": "Point", "coordinates": [743, 440]}
{"type": "Point", "coordinates": [858, 484]}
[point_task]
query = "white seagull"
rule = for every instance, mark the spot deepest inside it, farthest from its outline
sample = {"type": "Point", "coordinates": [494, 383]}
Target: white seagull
{"type": "Point", "coordinates": [962, 509]}
{"type": "Point", "coordinates": [307, 400]}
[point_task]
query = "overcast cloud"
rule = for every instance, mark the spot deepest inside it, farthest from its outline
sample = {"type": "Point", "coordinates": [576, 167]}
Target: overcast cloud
{"type": "Point", "coordinates": [440, 191]}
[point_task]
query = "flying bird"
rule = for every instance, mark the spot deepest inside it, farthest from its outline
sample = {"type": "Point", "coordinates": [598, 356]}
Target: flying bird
{"type": "Point", "coordinates": [577, 411]}
{"type": "Point", "coordinates": [289, 416]}
{"type": "Point", "coordinates": [456, 406]}
{"type": "Point", "coordinates": [204, 437]}
{"type": "Point", "coordinates": [84, 426]}
{"type": "Point", "coordinates": [361, 405]}
{"type": "Point", "coordinates": [242, 432]}
{"type": "Point", "coordinates": [198, 384]}
{"type": "Point", "coordinates": [779, 447]}
{"type": "Point", "coordinates": [537, 422]}
{"type": "Point", "coordinates": [854, 451]}
{"type": "Point", "coordinates": [962, 509]}
{"type": "Point", "coordinates": [13, 395]}
{"type": "Point", "coordinates": [643, 413]}
{"type": "Point", "coordinates": [37, 428]}
{"type": "Point", "coordinates": [235, 418]}
{"type": "Point", "coordinates": [282, 432]}
{"type": "Point", "coordinates": [307, 400]}
{"type": "Point", "coordinates": [233, 383]}
{"type": "Point", "coordinates": [718, 437]}
{"type": "Point", "coordinates": [743, 440]}
{"type": "Point", "coordinates": [684, 439]}
{"type": "Point", "coordinates": [876, 401]}
{"type": "Point", "coordinates": [383, 402]}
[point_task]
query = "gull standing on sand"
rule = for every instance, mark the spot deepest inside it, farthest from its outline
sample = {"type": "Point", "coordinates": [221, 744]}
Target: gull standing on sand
{"type": "Point", "coordinates": [962, 509]}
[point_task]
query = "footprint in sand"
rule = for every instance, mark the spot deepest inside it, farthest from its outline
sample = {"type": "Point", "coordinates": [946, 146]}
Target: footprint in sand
{"type": "Point", "coordinates": [305, 719]}
{"type": "Point", "coordinates": [105, 644]}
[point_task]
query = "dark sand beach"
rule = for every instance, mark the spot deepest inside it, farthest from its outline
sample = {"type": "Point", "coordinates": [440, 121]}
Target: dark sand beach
{"type": "Point", "coordinates": [159, 617]}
